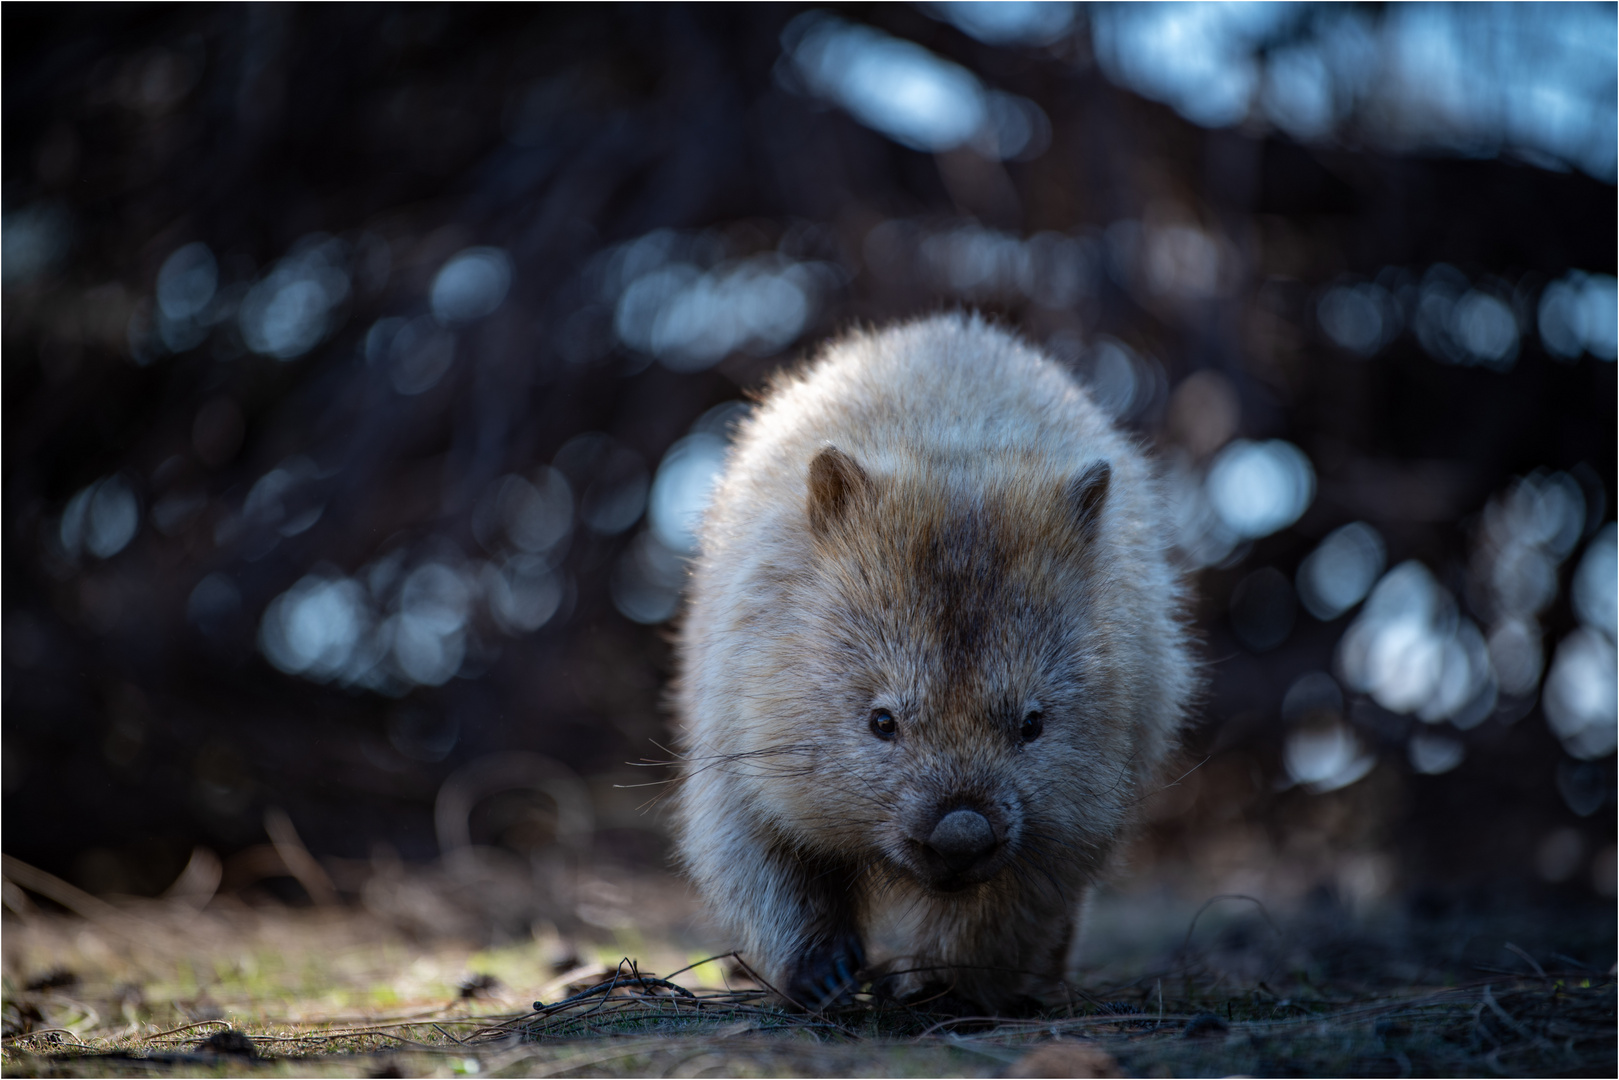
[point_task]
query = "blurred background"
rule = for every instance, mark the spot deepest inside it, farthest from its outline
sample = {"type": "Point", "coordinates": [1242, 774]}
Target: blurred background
{"type": "Point", "coordinates": [364, 367]}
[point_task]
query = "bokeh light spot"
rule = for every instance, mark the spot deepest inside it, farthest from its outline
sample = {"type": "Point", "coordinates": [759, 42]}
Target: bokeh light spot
{"type": "Point", "coordinates": [101, 519]}
{"type": "Point", "coordinates": [1120, 380]}
{"type": "Point", "coordinates": [690, 320]}
{"type": "Point", "coordinates": [1412, 652]}
{"type": "Point", "coordinates": [1314, 694]}
{"type": "Point", "coordinates": [1431, 753]}
{"type": "Point", "coordinates": [523, 593]}
{"type": "Point", "coordinates": [647, 580]}
{"type": "Point", "coordinates": [1580, 312]}
{"type": "Point", "coordinates": [420, 353]}
{"type": "Point", "coordinates": [1486, 329]}
{"type": "Point", "coordinates": [908, 93]}
{"type": "Point", "coordinates": [312, 628]}
{"type": "Point", "coordinates": [897, 87]}
{"type": "Point", "coordinates": [33, 241]}
{"type": "Point", "coordinates": [1595, 591]}
{"type": "Point", "coordinates": [1325, 756]}
{"type": "Point", "coordinates": [1359, 318]}
{"type": "Point", "coordinates": [1204, 412]}
{"type": "Point", "coordinates": [429, 642]}
{"type": "Point", "coordinates": [187, 282]}
{"type": "Point", "coordinates": [294, 307]}
{"type": "Point", "coordinates": [1581, 701]}
{"type": "Point", "coordinates": [1339, 573]}
{"type": "Point", "coordinates": [471, 285]}
{"type": "Point", "coordinates": [1258, 488]}
{"type": "Point", "coordinates": [1193, 57]}
{"type": "Point", "coordinates": [1008, 22]}
{"type": "Point", "coordinates": [537, 516]}
{"type": "Point", "coordinates": [682, 488]}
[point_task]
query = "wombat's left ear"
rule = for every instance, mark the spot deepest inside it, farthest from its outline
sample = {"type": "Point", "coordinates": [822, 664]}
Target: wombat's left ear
{"type": "Point", "coordinates": [1086, 494]}
{"type": "Point", "coordinates": [836, 482]}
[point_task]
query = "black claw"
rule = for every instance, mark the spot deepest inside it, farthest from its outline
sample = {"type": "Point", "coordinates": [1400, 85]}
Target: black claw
{"type": "Point", "coordinates": [828, 975]}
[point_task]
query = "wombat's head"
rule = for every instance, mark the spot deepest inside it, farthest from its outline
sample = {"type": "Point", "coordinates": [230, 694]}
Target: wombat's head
{"type": "Point", "coordinates": [968, 657]}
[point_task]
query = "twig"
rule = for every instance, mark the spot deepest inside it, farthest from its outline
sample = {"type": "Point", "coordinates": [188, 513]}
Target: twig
{"type": "Point", "coordinates": [1530, 960]}
{"type": "Point", "coordinates": [54, 888]}
{"type": "Point", "coordinates": [1211, 901]}
{"type": "Point", "coordinates": [186, 1027]}
{"type": "Point", "coordinates": [49, 1031]}
{"type": "Point", "coordinates": [733, 954]}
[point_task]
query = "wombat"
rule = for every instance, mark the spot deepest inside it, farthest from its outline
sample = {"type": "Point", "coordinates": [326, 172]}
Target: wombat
{"type": "Point", "coordinates": [933, 655]}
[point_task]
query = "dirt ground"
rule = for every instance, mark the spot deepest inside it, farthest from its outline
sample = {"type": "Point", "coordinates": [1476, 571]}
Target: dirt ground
{"type": "Point", "coordinates": [1176, 984]}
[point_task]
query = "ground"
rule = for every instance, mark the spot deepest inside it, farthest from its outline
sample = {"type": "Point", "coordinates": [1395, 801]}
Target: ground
{"type": "Point", "coordinates": [1174, 986]}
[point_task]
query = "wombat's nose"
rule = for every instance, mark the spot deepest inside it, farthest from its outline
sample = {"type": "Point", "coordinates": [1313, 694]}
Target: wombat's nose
{"type": "Point", "coordinates": [961, 838]}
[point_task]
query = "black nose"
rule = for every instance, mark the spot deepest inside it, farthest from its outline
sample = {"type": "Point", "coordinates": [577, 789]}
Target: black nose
{"type": "Point", "coordinates": [961, 838]}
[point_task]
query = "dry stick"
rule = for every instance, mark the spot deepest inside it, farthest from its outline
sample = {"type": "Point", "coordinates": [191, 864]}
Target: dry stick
{"type": "Point", "coordinates": [1211, 901]}
{"type": "Point", "coordinates": [957, 1020]}
{"type": "Point", "coordinates": [1173, 783]}
{"type": "Point", "coordinates": [1509, 1020]}
{"type": "Point", "coordinates": [49, 1031]}
{"type": "Point", "coordinates": [642, 980]}
{"type": "Point", "coordinates": [1002, 1022]}
{"type": "Point", "coordinates": [607, 993]}
{"type": "Point", "coordinates": [581, 996]}
{"type": "Point", "coordinates": [760, 979]}
{"type": "Point", "coordinates": [424, 1016]}
{"type": "Point", "coordinates": [299, 862]}
{"type": "Point", "coordinates": [1530, 960]}
{"type": "Point", "coordinates": [289, 1038]}
{"type": "Point", "coordinates": [699, 963]}
{"type": "Point", "coordinates": [74, 899]}
{"type": "Point", "coordinates": [386, 1035]}
{"type": "Point", "coordinates": [187, 1027]}
{"type": "Point", "coordinates": [466, 1020]}
{"type": "Point", "coordinates": [91, 1018]}
{"type": "Point", "coordinates": [369, 1029]}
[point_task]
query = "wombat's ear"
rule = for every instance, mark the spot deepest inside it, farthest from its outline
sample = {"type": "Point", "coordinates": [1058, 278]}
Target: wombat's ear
{"type": "Point", "coordinates": [1086, 494]}
{"type": "Point", "coordinates": [836, 482]}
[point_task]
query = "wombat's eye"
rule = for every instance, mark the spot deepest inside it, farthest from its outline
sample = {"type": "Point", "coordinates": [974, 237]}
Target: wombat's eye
{"type": "Point", "coordinates": [1033, 725]}
{"type": "Point", "coordinates": [883, 724]}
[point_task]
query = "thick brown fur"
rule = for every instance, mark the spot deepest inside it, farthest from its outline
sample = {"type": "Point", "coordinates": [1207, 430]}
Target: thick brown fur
{"type": "Point", "coordinates": [935, 523]}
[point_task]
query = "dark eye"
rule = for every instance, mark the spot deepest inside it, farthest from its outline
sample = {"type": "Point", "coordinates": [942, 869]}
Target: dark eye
{"type": "Point", "coordinates": [1033, 725]}
{"type": "Point", "coordinates": [883, 724]}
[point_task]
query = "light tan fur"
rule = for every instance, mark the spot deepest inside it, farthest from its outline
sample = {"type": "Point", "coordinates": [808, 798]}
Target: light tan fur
{"type": "Point", "coordinates": [942, 564]}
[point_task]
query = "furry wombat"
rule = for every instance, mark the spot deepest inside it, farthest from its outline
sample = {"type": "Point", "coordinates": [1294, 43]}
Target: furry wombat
{"type": "Point", "coordinates": [933, 656]}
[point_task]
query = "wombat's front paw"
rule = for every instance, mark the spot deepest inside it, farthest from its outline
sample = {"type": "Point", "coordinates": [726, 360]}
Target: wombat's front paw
{"type": "Point", "coordinates": [827, 972]}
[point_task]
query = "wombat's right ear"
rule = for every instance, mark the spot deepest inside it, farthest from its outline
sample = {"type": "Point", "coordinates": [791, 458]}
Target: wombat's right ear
{"type": "Point", "coordinates": [1086, 494]}
{"type": "Point", "coordinates": [836, 482]}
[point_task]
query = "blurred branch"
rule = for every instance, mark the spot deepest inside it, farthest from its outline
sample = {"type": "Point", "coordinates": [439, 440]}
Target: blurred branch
{"type": "Point", "coordinates": [300, 864]}
{"type": "Point", "coordinates": [55, 889]}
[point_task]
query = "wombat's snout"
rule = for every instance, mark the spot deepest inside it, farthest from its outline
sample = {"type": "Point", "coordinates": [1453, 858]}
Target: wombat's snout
{"type": "Point", "coordinates": [962, 838]}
